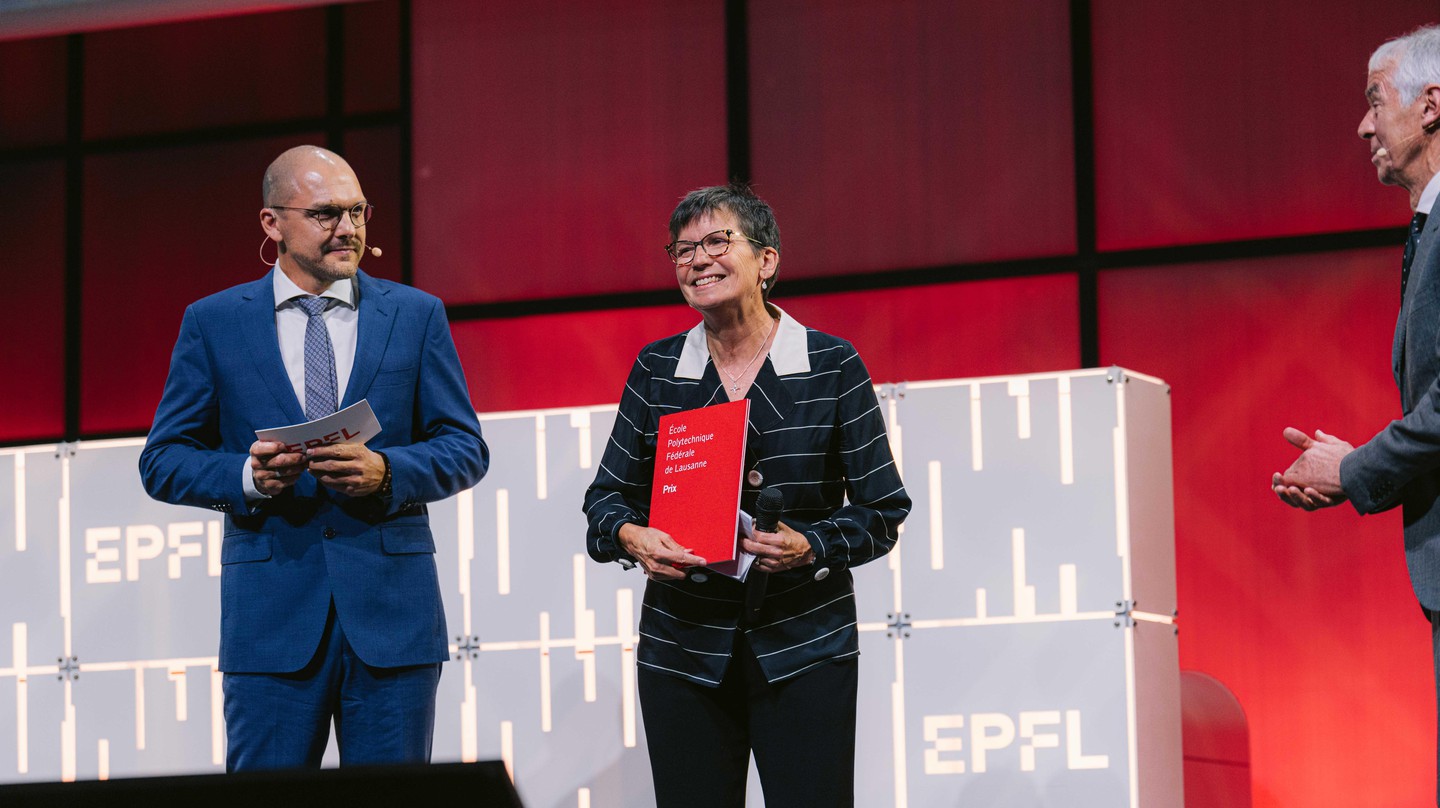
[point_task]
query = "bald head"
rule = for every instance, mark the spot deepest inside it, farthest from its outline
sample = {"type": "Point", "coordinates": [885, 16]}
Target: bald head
{"type": "Point", "coordinates": [316, 213]}
{"type": "Point", "coordinates": [283, 177]}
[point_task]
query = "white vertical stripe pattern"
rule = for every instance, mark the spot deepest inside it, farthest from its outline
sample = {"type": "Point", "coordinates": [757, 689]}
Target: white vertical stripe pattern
{"type": "Point", "coordinates": [507, 748]}
{"type": "Point", "coordinates": [140, 708]}
{"type": "Point", "coordinates": [1069, 600]}
{"type": "Point", "coordinates": [64, 517]}
{"type": "Point", "coordinates": [1067, 434]}
{"type": "Point", "coordinates": [217, 717]}
{"type": "Point", "coordinates": [67, 737]}
{"type": "Point", "coordinates": [502, 540]}
{"type": "Point", "coordinates": [465, 539]}
{"type": "Point", "coordinates": [20, 654]}
{"type": "Point", "coordinates": [544, 671]}
{"type": "Point", "coordinates": [977, 444]}
{"type": "Point", "coordinates": [542, 488]}
{"type": "Point", "coordinates": [625, 631]}
{"type": "Point", "coordinates": [1020, 391]}
{"type": "Point", "coordinates": [581, 421]}
{"type": "Point", "coordinates": [20, 502]}
{"type": "Point", "coordinates": [937, 519]}
{"type": "Point", "coordinates": [469, 717]}
{"type": "Point", "coordinates": [584, 628]}
{"type": "Point", "coordinates": [182, 711]}
{"type": "Point", "coordinates": [1024, 593]}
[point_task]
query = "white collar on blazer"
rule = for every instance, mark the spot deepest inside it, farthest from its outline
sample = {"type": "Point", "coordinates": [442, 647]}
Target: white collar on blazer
{"type": "Point", "coordinates": [789, 353]}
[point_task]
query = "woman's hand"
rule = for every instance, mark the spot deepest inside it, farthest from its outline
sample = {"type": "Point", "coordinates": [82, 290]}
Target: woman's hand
{"type": "Point", "coordinates": [657, 553]}
{"type": "Point", "coordinates": [782, 550]}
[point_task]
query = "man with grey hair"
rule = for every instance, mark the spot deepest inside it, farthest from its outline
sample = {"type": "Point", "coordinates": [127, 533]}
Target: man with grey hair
{"type": "Point", "coordinates": [1400, 465]}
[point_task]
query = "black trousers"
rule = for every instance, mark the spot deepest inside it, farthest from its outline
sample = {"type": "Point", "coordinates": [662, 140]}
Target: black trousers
{"type": "Point", "coordinates": [802, 731]}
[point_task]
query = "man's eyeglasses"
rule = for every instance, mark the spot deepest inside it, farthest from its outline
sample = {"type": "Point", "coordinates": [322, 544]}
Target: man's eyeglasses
{"type": "Point", "coordinates": [714, 244]}
{"type": "Point", "coordinates": [329, 216]}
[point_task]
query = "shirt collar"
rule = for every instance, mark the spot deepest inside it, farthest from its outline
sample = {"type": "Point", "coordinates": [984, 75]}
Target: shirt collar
{"type": "Point", "coordinates": [342, 290]}
{"type": "Point", "coordinates": [789, 351]}
{"type": "Point", "coordinates": [1427, 196]}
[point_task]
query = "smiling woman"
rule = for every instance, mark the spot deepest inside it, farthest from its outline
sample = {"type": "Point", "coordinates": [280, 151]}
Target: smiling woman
{"type": "Point", "coordinates": [769, 664]}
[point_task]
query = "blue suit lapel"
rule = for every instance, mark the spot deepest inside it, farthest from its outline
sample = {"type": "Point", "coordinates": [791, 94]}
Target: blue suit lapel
{"type": "Point", "coordinates": [376, 321]}
{"type": "Point", "coordinates": [262, 344]}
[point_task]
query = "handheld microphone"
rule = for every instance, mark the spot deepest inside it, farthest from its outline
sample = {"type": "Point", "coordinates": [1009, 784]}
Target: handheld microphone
{"type": "Point", "coordinates": [768, 506]}
{"type": "Point", "coordinates": [767, 509]}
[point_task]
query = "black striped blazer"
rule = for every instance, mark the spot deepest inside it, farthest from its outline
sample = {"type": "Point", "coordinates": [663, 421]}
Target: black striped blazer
{"type": "Point", "coordinates": [817, 434]}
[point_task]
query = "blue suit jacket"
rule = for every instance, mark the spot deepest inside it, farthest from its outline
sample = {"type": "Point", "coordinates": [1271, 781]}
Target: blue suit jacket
{"type": "Point", "coordinates": [284, 559]}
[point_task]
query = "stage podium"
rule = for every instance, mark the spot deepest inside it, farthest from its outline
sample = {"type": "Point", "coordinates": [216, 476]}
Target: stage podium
{"type": "Point", "coordinates": [1029, 643]}
{"type": "Point", "coordinates": [1018, 647]}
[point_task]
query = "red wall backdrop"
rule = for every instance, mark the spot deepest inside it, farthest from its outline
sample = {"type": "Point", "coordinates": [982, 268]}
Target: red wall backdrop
{"type": "Point", "coordinates": [1308, 618]}
{"type": "Point", "coordinates": [922, 157]}
{"type": "Point", "coordinates": [1235, 119]}
{"type": "Point", "coordinates": [552, 139]}
{"type": "Point", "coordinates": [32, 397]}
{"type": "Point", "coordinates": [1014, 325]}
{"type": "Point", "coordinates": [32, 85]}
{"type": "Point", "coordinates": [899, 134]}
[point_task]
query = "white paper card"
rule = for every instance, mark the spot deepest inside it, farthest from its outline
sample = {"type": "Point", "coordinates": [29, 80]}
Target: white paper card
{"type": "Point", "coordinates": [354, 424]}
{"type": "Point", "coordinates": [740, 567]}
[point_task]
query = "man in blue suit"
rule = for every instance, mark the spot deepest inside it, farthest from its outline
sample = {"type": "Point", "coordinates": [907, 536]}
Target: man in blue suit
{"type": "Point", "coordinates": [330, 600]}
{"type": "Point", "coordinates": [1400, 465]}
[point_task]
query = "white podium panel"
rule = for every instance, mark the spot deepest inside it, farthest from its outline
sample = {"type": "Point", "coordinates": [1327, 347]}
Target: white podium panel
{"type": "Point", "coordinates": [1018, 647]}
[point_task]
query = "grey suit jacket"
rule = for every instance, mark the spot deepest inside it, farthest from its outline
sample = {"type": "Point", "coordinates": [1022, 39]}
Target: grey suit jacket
{"type": "Point", "coordinates": [1401, 465]}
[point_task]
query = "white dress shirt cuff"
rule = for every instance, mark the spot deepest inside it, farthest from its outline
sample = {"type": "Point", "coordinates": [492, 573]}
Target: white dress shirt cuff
{"type": "Point", "coordinates": [247, 482]}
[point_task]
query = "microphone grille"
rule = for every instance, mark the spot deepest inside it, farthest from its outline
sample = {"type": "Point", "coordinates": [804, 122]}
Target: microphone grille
{"type": "Point", "coordinates": [770, 500]}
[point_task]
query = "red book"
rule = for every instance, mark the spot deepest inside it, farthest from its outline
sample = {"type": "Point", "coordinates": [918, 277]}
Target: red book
{"type": "Point", "coordinates": [699, 460]}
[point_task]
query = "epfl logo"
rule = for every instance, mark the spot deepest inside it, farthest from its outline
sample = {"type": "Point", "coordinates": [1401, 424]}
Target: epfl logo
{"type": "Point", "coordinates": [113, 551]}
{"type": "Point", "coordinates": [992, 732]}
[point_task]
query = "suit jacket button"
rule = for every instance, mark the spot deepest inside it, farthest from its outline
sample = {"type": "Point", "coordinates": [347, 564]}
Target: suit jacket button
{"type": "Point", "coordinates": [821, 574]}
{"type": "Point", "coordinates": [755, 478]}
{"type": "Point", "coordinates": [330, 532]}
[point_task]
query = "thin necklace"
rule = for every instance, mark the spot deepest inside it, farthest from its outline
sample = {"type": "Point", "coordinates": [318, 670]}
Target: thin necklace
{"type": "Point", "coordinates": [735, 378]}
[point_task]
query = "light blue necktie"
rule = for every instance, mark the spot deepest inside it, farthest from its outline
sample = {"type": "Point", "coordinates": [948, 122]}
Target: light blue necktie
{"type": "Point", "coordinates": [320, 385]}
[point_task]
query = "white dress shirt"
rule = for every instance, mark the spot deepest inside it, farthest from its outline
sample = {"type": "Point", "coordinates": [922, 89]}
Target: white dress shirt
{"type": "Point", "coordinates": [341, 320]}
{"type": "Point", "coordinates": [1427, 196]}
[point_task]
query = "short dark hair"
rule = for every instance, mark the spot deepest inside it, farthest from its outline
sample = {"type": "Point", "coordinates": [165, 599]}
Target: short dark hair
{"type": "Point", "coordinates": [752, 213]}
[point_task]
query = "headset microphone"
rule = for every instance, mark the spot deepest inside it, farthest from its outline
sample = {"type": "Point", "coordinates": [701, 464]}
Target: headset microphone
{"type": "Point", "coordinates": [1405, 141]}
